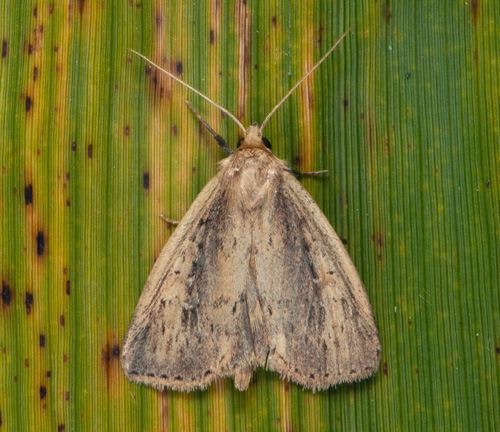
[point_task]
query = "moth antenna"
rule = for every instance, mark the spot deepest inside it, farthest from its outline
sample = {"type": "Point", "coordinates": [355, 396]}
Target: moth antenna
{"type": "Point", "coordinates": [304, 77]}
{"type": "Point", "coordinates": [224, 110]}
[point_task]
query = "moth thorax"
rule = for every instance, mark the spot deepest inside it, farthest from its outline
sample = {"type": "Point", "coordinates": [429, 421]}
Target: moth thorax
{"type": "Point", "coordinates": [253, 137]}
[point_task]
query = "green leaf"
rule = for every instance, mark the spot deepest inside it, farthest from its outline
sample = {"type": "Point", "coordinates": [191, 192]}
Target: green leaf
{"type": "Point", "coordinates": [94, 145]}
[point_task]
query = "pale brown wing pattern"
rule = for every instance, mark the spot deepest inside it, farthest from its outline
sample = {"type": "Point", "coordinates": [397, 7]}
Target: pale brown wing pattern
{"type": "Point", "coordinates": [191, 323]}
{"type": "Point", "coordinates": [318, 321]}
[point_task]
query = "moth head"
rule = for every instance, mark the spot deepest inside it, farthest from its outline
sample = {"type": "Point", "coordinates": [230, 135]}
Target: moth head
{"type": "Point", "coordinates": [253, 138]}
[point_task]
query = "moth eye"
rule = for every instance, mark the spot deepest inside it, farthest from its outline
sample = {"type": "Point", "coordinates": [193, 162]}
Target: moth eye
{"type": "Point", "coordinates": [266, 143]}
{"type": "Point", "coordinates": [239, 142]}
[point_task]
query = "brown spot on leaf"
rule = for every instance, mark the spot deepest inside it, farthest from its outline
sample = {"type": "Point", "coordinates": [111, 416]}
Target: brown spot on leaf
{"type": "Point", "coordinates": [115, 351]}
{"type": "Point", "coordinates": [28, 194]}
{"type": "Point", "coordinates": [497, 350]}
{"type": "Point", "coordinates": [68, 287]}
{"type": "Point", "coordinates": [387, 12]}
{"type": "Point", "coordinates": [68, 202]}
{"type": "Point", "coordinates": [61, 320]}
{"type": "Point", "coordinates": [89, 151]}
{"type": "Point", "coordinates": [35, 11]}
{"type": "Point", "coordinates": [384, 368]}
{"type": "Point", "coordinates": [212, 36]}
{"type": "Point", "coordinates": [48, 374]}
{"type": "Point", "coordinates": [73, 145]}
{"type": "Point", "coordinates": [475, 9]}
{"type": "Point", "coordinates": [43, 392]}
{"type": "Point", "coordinates": [416, 371]}
{"type": "Point", "coordinates": [127, 130]}
{"type": "Point", "coordinates": [35, 73]}
{"type": "Point", "coordinates": [40, 243]}
{"type": "Point", "coordinates": [145, 180]}
{"type": "Point", "coordinates": [178, 67]}
{"type": "Point", "coordinates": [174, 129]}
{"type": "Point", "coordinates": [28, 104]}
{"type": "Point", "coordinates": [6, 294]}
{"type": "Point", "coordinates": [28, 301]}
{"type": "Point", "coordinates": [66, 396]}
{"type": "Point", "coordinates": [81, 6]}
{"type": "Point", "coordinates": [41, 340]}
{"type": "Point", "coordinates": [26, 362]}
{"type": "Point", "coordinates": [61, 427]}
{"type": "Point", "coordinates": [274, 20]}
{"type": "Point", "coordinates": [345, 102]}
{"type": "Point", "coordinates": [4, 48]}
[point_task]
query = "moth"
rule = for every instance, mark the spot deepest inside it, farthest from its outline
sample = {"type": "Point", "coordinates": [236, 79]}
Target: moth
{"type": "Point", "coordinates": [254, 275]}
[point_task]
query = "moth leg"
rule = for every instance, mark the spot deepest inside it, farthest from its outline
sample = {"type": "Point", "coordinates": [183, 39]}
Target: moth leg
{"type": "Point", "coordinates": [169, 221]}
{"type": "Point", "coordinates": [217, 137]}
{"type": "Point", "coordinates": [301, 173]}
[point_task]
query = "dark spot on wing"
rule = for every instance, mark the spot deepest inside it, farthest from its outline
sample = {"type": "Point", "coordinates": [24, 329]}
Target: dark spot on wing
{"type": "Point", "coordinates": [28, 301]}
{"type": "Point", "coordinates": [145, 180]}
{"type": "Point", "coordinates": [40, 243]}
{"type": "Point", "coordinates": [6, 294]}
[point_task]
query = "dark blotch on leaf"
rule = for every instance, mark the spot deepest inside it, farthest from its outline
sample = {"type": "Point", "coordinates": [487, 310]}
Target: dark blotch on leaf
{"type": "Point", "coordinates": [28, 301]}
{"type": "Point", "coordinates": [178, 67]}
{"type": "Point", "coordinates": [115, 351]}
{"type": "Point", "coordinates": [408, 75]}
{"type": "Point", "coordinates": [384, 368]}
{"type": "Point", "coordinates": [29, 103]}
{"type": "Point", "coordinates": [497, 350]}
{"type": "Point", "coordinates": [68, 287]}
{"type": "Point", "coordinates": [61, 320]}
{"type": "Point", "coordinates": [73, 145]}
{"type": "Point", "coordinates": [40, 243]}
{"type": "Point", "coordinates": [6, 294]}
{"type": "Point", "coordinates": [61, 428]}
{"type": "Point", "coordinates": [89, 151]}
{"type": "Point", "coordinates": [145, 180]}
{"type": "Point", "coordinates": [28, 194]}
{"type": "Point", "coordinates": [42, 340]}
{"type": "Point", "coordinates": [4, 48]}
{"type": "Point", "coordinates": [212, 36]}
{"type": "Point", "coordinates": [43, 392]}
{"type": "Point", "coordinates": [127, 130]}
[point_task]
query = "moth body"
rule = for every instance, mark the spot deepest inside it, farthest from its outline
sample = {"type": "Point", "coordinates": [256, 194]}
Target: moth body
{"type": "Point", "coordinates": [254, 275]}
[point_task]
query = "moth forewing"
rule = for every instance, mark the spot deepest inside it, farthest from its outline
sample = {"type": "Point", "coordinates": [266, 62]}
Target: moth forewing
{"type": "Point", "coordinates": [254, 275]}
